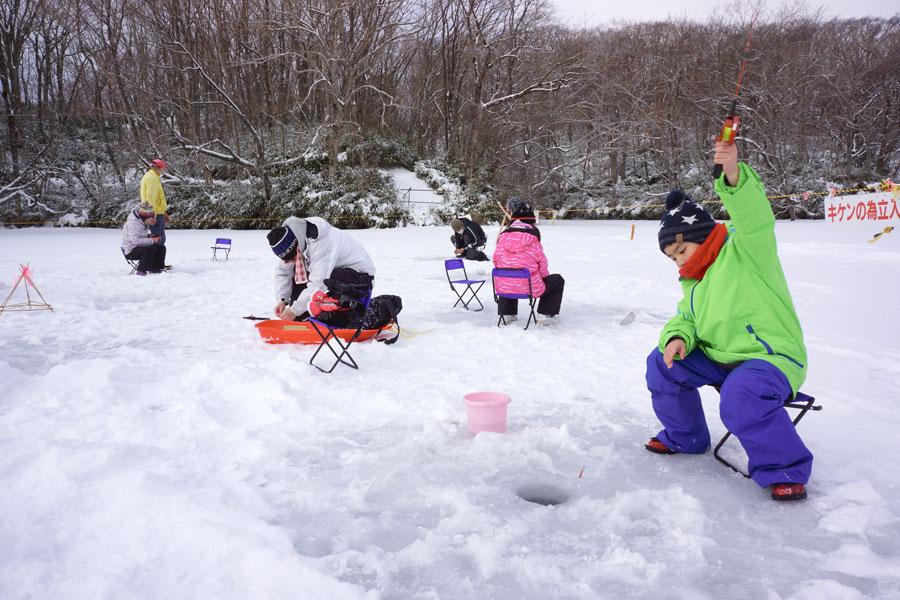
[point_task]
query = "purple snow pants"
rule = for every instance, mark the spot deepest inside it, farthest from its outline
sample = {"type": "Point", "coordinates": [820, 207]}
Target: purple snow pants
{"type": "Point", "coordinates": [751, 407]}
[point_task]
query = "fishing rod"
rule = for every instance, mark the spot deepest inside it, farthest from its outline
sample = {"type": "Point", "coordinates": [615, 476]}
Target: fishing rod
{"type": "Point", "coordinates": [732, 121]}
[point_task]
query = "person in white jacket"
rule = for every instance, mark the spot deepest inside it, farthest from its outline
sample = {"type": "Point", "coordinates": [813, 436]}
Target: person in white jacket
{"type": "Point", "coordinates": [311, 251]}
{"type": "Point", "coordinates": [139, 245]}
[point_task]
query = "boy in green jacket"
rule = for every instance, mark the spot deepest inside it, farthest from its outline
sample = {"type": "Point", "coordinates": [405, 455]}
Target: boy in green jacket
{"type": "Point", "coordinates": [736, 329]}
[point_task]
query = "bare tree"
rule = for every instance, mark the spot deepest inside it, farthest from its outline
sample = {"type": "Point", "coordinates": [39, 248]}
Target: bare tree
{"type": "Point", "coordinates": [339, 44]}
{"type": "Point", "coordinates": [18, 19]}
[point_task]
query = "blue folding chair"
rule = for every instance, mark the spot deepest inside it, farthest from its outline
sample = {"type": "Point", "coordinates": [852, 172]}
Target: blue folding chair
{"type": "Point", "coordinates": [802, 402]}
{"type": "Point", "coordinates": [352, 296]}
{"type": "Point", "coordinates": [522, 273]}
{"type": "Point", "coordinates": [456, 264]}
{"type": "Point", "coordinates": [222, 244]}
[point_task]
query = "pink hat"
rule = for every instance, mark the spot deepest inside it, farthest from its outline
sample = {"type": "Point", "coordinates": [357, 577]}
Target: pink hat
{"type": "Point", "coordinates": [158, 164]}
{"type": "Point", "coordinates": [145, 210]}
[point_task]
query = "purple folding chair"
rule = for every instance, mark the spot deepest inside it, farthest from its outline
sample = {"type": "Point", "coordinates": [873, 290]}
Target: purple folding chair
{"type": "Point", "coordinates": [222, 244]}
{"type": "Point", "coordinates": [456, 264]}
{"type": "Point", "coordinates": [351, 295]}
{"type": "Point", "coordinates": [522, 273]}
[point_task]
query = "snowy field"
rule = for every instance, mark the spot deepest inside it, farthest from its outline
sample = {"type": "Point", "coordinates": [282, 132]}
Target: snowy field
{"type": "Point", "coordinates": [153, 446]}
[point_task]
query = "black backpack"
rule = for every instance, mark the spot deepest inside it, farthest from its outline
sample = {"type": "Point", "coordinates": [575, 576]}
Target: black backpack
{"type": "Point", "coordinates": [480, 237]}
{"type": "Point", "coordinates": [382, 311]}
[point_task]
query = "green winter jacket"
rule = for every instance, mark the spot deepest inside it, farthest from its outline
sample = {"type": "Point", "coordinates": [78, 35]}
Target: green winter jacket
{"type": "Point", "coordinates": [742, 308]}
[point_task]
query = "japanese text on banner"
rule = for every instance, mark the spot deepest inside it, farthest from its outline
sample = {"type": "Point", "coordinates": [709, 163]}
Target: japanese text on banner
{"type": "Point", "coordinates": [881, 207]}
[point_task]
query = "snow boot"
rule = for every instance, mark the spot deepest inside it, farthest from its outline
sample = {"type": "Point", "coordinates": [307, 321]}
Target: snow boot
{"type": "Point", "coordinates": [788, 491]}
{"type": "Point", "coordinates": [657, 447]}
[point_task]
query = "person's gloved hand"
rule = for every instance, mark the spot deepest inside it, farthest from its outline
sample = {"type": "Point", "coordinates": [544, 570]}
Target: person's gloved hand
{"type": "Point", "coordinates": [166, 218]}
{"type": "Point", "coordinates": [322, 303]}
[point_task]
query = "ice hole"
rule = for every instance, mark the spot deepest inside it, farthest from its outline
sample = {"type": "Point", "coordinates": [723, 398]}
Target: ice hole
{"type": "Point", "coordinates": [544, 494]}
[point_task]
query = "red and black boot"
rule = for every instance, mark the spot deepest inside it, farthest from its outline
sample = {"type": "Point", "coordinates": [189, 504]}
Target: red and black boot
{"type": "Point", "coordinates": [788, 491]}
{"type": "Point", "coordinates": [656, 446]}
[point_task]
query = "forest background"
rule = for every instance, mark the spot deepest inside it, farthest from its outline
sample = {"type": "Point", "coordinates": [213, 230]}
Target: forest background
{"type": "Point", "coordinates": [265, 108]}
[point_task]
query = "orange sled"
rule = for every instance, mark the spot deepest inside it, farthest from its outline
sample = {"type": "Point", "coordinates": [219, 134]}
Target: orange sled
{"type": "Point", "coordinates": [277, 331]}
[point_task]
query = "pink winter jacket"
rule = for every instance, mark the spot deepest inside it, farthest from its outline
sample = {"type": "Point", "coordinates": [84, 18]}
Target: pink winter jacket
{"type": "Point", "coordinates": [517, 249]}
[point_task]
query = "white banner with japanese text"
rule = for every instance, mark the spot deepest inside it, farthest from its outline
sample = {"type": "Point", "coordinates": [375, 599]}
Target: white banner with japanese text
{"type": "Point", "coordinates": [879, 207]}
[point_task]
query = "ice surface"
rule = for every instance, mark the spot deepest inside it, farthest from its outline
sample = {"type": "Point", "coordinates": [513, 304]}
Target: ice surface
{"type": "Point", "coordinates": [153, 446]}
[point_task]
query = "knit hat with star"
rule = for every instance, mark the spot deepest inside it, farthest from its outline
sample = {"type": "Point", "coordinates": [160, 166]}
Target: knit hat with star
{"type": "Point", "coordinates": [684, 221]}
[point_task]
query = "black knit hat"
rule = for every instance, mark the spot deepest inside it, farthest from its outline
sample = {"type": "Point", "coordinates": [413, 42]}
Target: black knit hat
{"type": "Point", "coordinates": [283, 242]}
{"type": "Point", "coordinates": [684, 221]}
{"type": "Point", "coordinates": [519, 210]}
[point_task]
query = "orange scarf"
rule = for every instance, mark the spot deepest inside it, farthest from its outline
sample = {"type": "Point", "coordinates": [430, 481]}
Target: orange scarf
{"type": "Point", "coordinates": [703, 257]}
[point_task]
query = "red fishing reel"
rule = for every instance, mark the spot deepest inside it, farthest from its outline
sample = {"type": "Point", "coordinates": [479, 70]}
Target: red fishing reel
{"type": "Point", "coordinates": [728, 135]}
{"type": "Point", "coordinates": [729, 130]}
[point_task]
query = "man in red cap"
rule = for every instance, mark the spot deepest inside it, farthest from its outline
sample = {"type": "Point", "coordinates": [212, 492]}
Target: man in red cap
{"type": "Point", "coordinates": [152, 193]}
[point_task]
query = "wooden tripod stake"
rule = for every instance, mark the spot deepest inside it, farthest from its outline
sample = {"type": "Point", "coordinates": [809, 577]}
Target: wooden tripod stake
{"type": "Point", "coordinates": [30, 304]}
{"type": "Point", "coordinates": [507, 218]}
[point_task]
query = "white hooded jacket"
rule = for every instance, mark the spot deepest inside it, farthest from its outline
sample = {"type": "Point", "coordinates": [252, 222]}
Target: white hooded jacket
{"type": "Point", "coordinates": [134, 233]}
{"type": "Point", "coordinates": [330, 249]}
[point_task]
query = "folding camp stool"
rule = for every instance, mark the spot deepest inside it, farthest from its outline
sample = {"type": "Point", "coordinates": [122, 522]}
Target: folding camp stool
{"type": "Point", "coordinates": [131, 263]}
{"type": "Point", "coordinates": [522, 273]}
{"type": "Point", "coordinates": [222, 244]}
{"type": "Point", "coordinates": [801, 402]}
{"type": "Point", "coordinates": [455, 264]}
{"type": "Point", "coordinates": [327, 335]}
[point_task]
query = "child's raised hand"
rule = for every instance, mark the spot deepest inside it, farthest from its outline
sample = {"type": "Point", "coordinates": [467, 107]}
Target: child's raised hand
{"type": "Point", "coordinates": [675, 346]}
{"type": "Point", "coordinates": [727, 156]}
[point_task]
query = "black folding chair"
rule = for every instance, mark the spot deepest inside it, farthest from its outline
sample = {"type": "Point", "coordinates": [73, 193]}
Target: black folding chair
{"type": "Point", "coordinates": [522, 273]}
{"type": "Point", "coordinates": [131, 263]}
{"type": "Point", "coordinates": [801, 402]}
{"type": "Point", "coordinates": [456, 264]}
{"type": "Point", "coordinates": [222, 244]}
{"type": "Point", "coordinates": [353, 297]}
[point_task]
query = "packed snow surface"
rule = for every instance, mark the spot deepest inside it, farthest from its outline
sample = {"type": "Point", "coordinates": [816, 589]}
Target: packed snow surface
{"type": "Point", "coordinates": [152, 445]}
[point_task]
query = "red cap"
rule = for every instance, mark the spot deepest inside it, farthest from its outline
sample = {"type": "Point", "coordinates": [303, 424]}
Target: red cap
{"type": "Point", "coordinates": [158, 164]}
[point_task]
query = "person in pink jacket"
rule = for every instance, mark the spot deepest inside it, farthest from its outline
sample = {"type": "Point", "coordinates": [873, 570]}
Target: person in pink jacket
{"type": "Point", "coordinates": [520, 246]}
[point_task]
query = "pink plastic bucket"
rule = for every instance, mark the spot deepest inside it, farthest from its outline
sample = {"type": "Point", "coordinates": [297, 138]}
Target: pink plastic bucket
{"type": "Point", "coordinates": [486, 411]}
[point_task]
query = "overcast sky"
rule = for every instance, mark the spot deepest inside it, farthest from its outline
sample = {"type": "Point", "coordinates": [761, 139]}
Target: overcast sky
{"type": "Point", "coordinates": [593, 12]}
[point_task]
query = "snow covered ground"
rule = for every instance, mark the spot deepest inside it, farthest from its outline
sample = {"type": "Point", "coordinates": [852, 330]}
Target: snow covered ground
{"type": "Point", "coordinates": [420, 201]}
{"type": "Point", "coordinates": [152, 446]}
